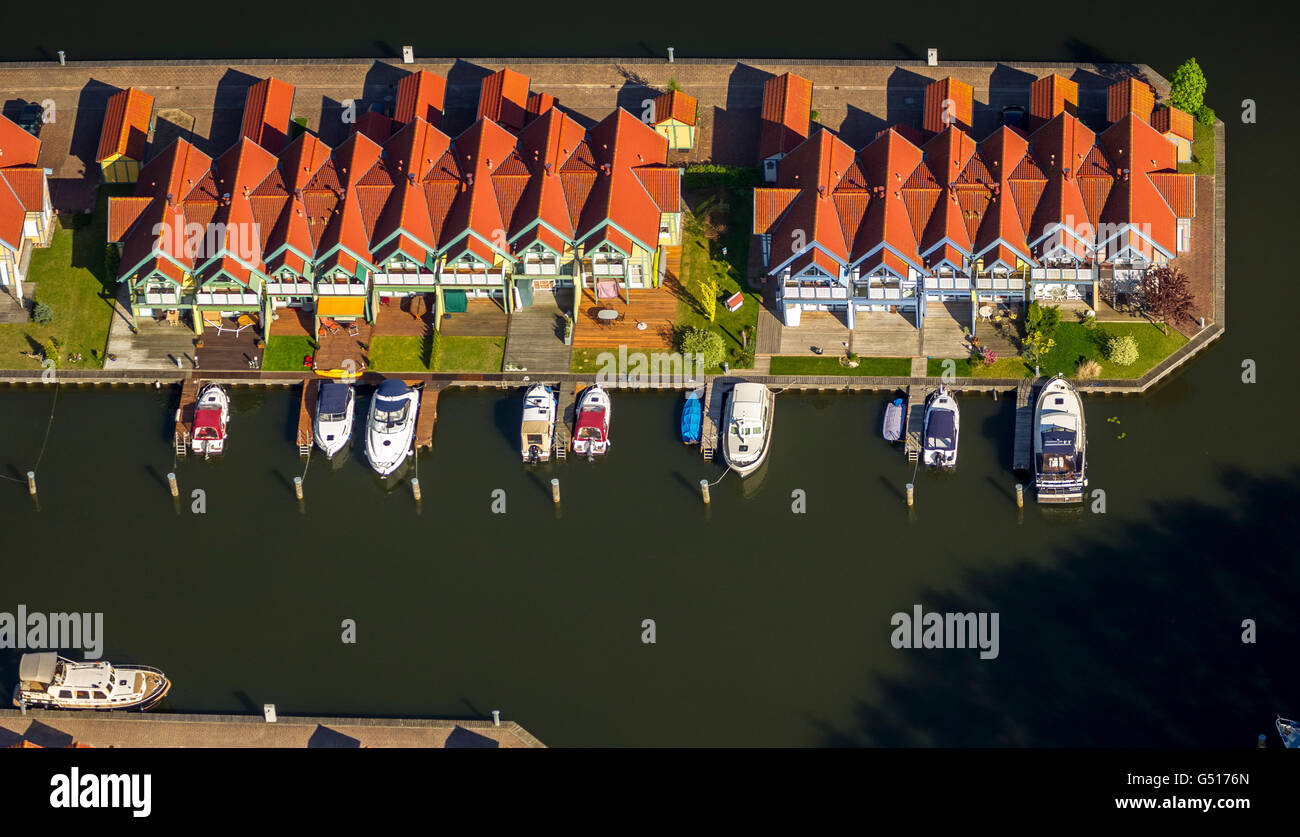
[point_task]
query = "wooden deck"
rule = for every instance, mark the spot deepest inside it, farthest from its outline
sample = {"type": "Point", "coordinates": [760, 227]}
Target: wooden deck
{"type": "Point", "coordinates": [567, 415]}
{"type": "Point", "coordinates": [229, 351]}
{"type": "Point", "coordinates": [307, 416]}
{"type": "Point", "coordinates": [185, 415]}
{"type": "Point", "coordinates": [535, 337]}
{"type": "Point", "coordinates": [711, 419]}
{"type": "Point", "coordinates": [337, 351]}
{"type": "Point", "coordinates": [405, 317]}
{"type": "Point", "coordinates": [656, 307]}
{"type": "Point", "coordinates": [1021, 452]}
{"type": "Point", "coordinates": [428, 416]}
{"type": "Point", "coordinates": [914, 425]}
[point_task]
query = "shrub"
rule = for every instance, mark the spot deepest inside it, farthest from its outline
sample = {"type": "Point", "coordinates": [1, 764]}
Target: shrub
{"type": "Point", "coordinates": [112, 260]}
{"type": "Point", "coordinates": [1122, 350]}
{"type": "Point", "coordinates": [1205, 116]}
{"type": "Point", "coordinates": [990, 357]}
{"type": "Point", "coordinates": [704, 342]}
{"type": "Point", "coordinates": [1042, 319]}
{"type": "Point", "coordinates": [1089, 370]}
{"type": "Point", "coordinates": [42, 314]}
{"type": "Point", "coordinates": [711, 175]}
{"type": "Point", "coordinates": [673, 85]}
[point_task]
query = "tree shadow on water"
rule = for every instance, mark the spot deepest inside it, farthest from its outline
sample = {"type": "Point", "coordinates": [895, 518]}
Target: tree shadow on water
{"type": "Point", "coordinates": [1130, 638]}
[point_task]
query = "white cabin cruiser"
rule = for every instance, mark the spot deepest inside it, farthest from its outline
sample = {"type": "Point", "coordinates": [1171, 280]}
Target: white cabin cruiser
{"type": "Point", "coordinates": [591, 424]}
{"type": "Point", "coordinates": [747, 423]}
{"type": "Point", "coordinates": [1290, 732]}
{"type": "Point", "coordinates": [48, 681]}
{"type": "Point", "coordinates": [942, 429]}
{"type": "Point", "coordinates": [211, 415]}
{"type": "Point", "coordinates": [1059, 444]}
{"type": "Point", "coordinates": [390, 428]}
{"type": "Point", "coordinates": [334, 409]}
{"type": "Point", "coordinates": [537, 432]}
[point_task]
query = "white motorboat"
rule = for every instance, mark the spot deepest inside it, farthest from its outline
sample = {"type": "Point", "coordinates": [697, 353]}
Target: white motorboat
{"type": "Point", "coordinates": [747, 425]}
{"type": "Point", "coordinates": [591, 424]}
{"type": "Point", "coordinates": [211, 416]}
{"type": "Point", "coordinates": [1059, 444]}
{"type": "Point", "coordinates": [390, 427]}
{"type": "Point", "coordinates": [1290, 732]}
{"type": "Point", "coordinates": [537, 431]}
{"type": "Point", "coordinates": [48, 681]}
{"type": "Point", "coordinates": [334, 409]}
{"type": "Point", "coordinates": [941, 432]}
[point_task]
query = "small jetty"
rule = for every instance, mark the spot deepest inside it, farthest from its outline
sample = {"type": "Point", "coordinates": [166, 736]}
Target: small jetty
{"type": "Point", "coordinates": [711, 419]}
{"type": "Point", "coordinates": [428, 415]}
{"type": "Point", "coordinates": [915, 422]}
{"type": "Point", "coordinates": [307, 416]}
{"type": "Point", "coordinates": [185, 415]}
{"type": "Point", "coordinates": [43, 728]}
{"type": "Point", "coordinates": [566, 415]}
{"type": "Point", "coordinates": [1021, 452]}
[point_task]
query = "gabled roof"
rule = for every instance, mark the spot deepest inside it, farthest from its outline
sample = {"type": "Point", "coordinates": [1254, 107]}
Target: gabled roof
{"type": "Point", "coordinates": [815, 168]}
{"type": "Point", "coordinates": [1130, 95]}
{"type": "Point", "coordinates": [545, 147]}
{"type": "Point", "coordinates": [888, 162]}
{"type": "Point", "coordinates": [1001, 231]}
{"type": "Point", "coordinates": [1171, 120]}
{"type": "Point", "coordinates": [1052, 95]}
{"type": "Point", "coordinates": [122, 213]}
{"type": "Point", "coordinates": [421, 94]}
{"type": "Point", "coordinates": [961, 98]}
{"type": "Point", "coordinates": [675, 105]}
{"type": "Point", "coordinates": [12, 217]}
{"type": "Point", "coordinates": [480, 151]}
{"type": "Point", "coordinates": [238, 172]}
{"type": "Point", "coordinates": [503, 98]}
{"type": "Point", "coordinates": [620, 144]}
{"type": "Point", "coordinates": [267, 110]}
{"type": "Point", "coordinates": [17, 147]}
{"type": "Point", "coordinates": [375, 125]}
{"type": "Point", "coordinates": [28, 183]}
{"type": "Point", "coordinates": [1061, 146]}
{"type": "Point", "coordinates": [787, 114]}
{"type": "Point", "coordinates": [1138, 150]}
{"type": "Point", "coordinates": [947, 156]}
{"type": "Point", "coordinates": [126, 125]}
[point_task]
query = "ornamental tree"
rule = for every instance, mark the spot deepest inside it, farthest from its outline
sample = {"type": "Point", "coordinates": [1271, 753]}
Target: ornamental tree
{"type": "Point", "coordinates": [1167, 297]}
{"type": "Point", "coordinates": [1187, 87]}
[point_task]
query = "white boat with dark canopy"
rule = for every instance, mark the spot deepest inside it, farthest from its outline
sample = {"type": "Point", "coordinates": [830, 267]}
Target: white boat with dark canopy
{"type": "Point", "coordinates": [211, 415]}
{"type": "Point", "coordinates": [48, 681]}
{"type": "Point", "coordinates": [537, 431]}
{"type": "Point", "coordinates": [591, 425]}
{"type": "Point", "coordinates": [1290, 732]}
{"type": "Point", "coordinates": [942, 430]}
{"type": "Point", "coordinates": [747, 423]}
{"type": "Point", "coordinates": [1059, 444]}
{"type": "Point", "coordinates": [334, 408]}
{"type": "Point", "coordinates": [390, 428]}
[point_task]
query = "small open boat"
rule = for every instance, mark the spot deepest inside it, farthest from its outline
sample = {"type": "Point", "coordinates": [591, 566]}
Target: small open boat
{"type": "Point", "coordinates": [211, 415]}
{"type": "Point", "coordinates": [1290, 732]}
{"type": "Point", "coordinates": [591, 426]}
{"type": "Point", "coordinates": [747, 423]}
{"type": "Point", "coordinates": [48, 681]}
{"type": "Point", "coordinates": [942, 428]}
{"type": "Point", "coordinates": [537, 432]}
{"type": "Point", "coordinates": [692, 417]}
{"type": "Point", "coordinates": [334, 408]}
{"type": "Point", "coordinates": [894, 416]}
{"type": "Point", "coordinates": [390, 428]}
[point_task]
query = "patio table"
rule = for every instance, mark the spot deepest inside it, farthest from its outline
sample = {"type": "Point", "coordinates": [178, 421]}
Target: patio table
{"type": "Point", "coordinates": [607, 315]}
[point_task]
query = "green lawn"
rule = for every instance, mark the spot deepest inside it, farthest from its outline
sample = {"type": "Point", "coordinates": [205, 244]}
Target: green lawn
{"type": "Point", "coordinates": [1007, 367]}
{"type": "Point", "coordinates": [1074, 343]}
{"type": "Point", "coordinates": [585, 361]}
{"type": "Point", "coordinates": [441, 354]}
{"type": "Point", "coordinates": [725, 209]}
{"type": "Point", "coordinates": [285, 353]}
{"type": "Point", "coordinates": [1202, 151]}
{"type": "Point", "coordinates": [72, 279]}
{"type": "Point", "coordinates": [875, 366]}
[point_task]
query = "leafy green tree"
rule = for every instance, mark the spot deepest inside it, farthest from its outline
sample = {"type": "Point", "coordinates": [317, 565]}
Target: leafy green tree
{"type": "Point", "coordinates": [42, 314]}
{"type": "Point", "coordinates": [1122, 350]}
{"type": "Point", "coordinates": [704, 342]}
{"type": "Point", "coordinates": [707, 294]}
{"type": "Point", "coordinates": [1187, 87]}
{"type": "Point", "coordinates": [1043, 319]}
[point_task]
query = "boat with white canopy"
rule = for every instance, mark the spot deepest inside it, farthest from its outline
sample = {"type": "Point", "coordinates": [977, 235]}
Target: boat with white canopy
{"type": "Point", "coordinates": [48, 681]}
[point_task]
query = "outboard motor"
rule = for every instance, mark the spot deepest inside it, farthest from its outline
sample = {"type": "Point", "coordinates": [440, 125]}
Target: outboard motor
{"type": "Point", "coordinates": [534, 454]}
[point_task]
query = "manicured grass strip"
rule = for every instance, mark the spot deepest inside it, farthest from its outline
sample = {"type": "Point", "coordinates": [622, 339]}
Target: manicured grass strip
{"type": "Point", "coordinates": [1075, 343]}
{"type": "Point", "coordinates": [586, 362]}
{"type": "Point", "coordinates": [401, 354]}
{"type": "Point", "coordinates": [469, 354]}
{"type": "Point", "coordinates": [284, 353]}
{"type": "Point", "coordinates": [875, 366]}
{"type": "Point", "coordinates": [1202, 151]}
{"type": "Point", "coordinates": [1007, 367]}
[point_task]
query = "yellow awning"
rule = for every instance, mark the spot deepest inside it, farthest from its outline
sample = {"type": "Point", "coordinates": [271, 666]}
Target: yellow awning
{"type": "Point", "coordinates": [341, 306]}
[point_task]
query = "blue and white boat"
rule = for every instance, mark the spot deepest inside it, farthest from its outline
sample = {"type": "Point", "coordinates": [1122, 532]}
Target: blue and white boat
{"type": "Point", "coordinates": [942, 430]}
{"type": "Point", "coordinates": [1290, 732]}
{"type": "Point", "coordinates": [334, 408]}
{"type": "Point", "coordinates": [390, 429]}
{"type": "Point", "coordinates": [692, 417]}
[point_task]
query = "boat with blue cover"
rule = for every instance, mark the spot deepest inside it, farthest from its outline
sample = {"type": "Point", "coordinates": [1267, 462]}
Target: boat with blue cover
{"type": "Point", "coordinates": [692, 417]}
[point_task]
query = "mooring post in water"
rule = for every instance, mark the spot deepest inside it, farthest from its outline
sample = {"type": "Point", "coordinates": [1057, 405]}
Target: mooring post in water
{"type": "Point", "coordinates": [31, 483]}
{"type": "Point", "coordinates": [555, 490]}
{"type": "Point", "coordinates": [1020, 496]}
{"type": "Point", "coordinates": [704, 490]}
{"type": "Point", "coordinates": [1263, 740]}
{"type": "Point", "coordinates": [496, 717]}
{"type": "Point", "coordinates": [910, 498]}
{"type": "Point", "coordinates": [297, 487]}
{"type": "Point", "coordinates": [171, 483]}
{"type": "Point", "coordinates": [415, 488]}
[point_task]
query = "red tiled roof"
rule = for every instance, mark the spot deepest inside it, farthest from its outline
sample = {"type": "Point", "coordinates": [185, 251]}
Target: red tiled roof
{"type": "Point", "coordinates": [126, 125]}
{"type": "Point", "coordinates": [375, 125]}
{"type": "Point", "coordinates": [947, 155]}
{"type": "Point", "coordinates": [1003, 151]}
{"type": "Point", "coordinates": [1061, 146]}
{"type": "Point", "coordinates": [675, 105]}
{"type": "Point", "coordinates": [17, 147]}
{"type": "Point", "coordinates": [503, 98]}
{"type": "Point", "coordinates": [959, 94]}
{"type": "Point", "coordinates": [1137, 149]}
{"type": "Point", "coordinates": [1179, 191]}
{"type": "Point", "coordinates": [539, 103]}
{"type": "Point", "coordinates": [545, 146]}
{"type": "Point", "coordinates": [664, 183]}
{"type": "Point", "coordinates": [267, 110]}
{"type": "Point", "coordinates": [122, 213]}
{"type": "Point", "coordinates": [421, 94]}
{"type": "Point", "coordinates": [480, 150]}
{"type": "Point", "coordinates": [1052, 95]}
{"type": "Point", "coordinates": [888, 162]}
{"type": "Point", "coordinates": [1130, 95]}
{"type": "Point", "coordinates": [787, 114]}
{"type": "Point", "coordinates": [770, 203]}
{"type": "Point", "coordinates": [621, 143]}
{"type": "Point", "coordinates": [12, 217]}
{"type": "Point", "coordinates": [815, 167]}
{"type": "Point", "coordinates": [1171, 120]}
{"type": "Point", "coordinates": [28, 183]}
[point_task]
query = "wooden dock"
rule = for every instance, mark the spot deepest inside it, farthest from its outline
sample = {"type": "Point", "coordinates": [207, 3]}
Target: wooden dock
{"type": "Point", "coordinates": [915, 422]}
{"type": "Point", "coordinates": [185, 415]}
{"type": "Point", "coordinates": [428, 416]}
{"type": "Point", "coordinates": [566, 415]}
{"type": "Point", "coordinates": [1021, 452]}
{"type": "Point", "coordinates": [711, 419]}
{"type": "Point", "coordinates": [307, 416]}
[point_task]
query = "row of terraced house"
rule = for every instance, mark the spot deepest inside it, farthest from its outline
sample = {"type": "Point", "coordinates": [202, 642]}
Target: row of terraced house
{"type": "Point", "coordinates": [525, 199]}
{"type": "Point", "coordinates": [1046, 209]}
{"type": "Point", "coordinates": [26, 216]}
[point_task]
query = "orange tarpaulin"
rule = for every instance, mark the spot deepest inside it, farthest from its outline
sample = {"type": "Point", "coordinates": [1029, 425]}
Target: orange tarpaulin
{"type": "Point", "coordinates": [341, 306]}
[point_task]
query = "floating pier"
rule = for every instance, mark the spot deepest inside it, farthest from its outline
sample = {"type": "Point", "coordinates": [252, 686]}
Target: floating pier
{"type": "Point", "coordinates": [566, 415]}
{"type": "Point", "coordinates": [185, 415]}
{"type": "Point", "coordinates": [711, 419]}
{"type": "Point", "coordinates": [428, 417]}
{"type": "Point", "coordinates": [915, 424]}
{"type": "Point", "coordinates": [1021, 452]}
{"type": "Point", "coordinates": [307, 416]}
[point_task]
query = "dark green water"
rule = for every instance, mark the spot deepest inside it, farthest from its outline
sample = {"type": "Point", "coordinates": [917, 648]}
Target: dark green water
{"type": "Point", "coordinates": [773, 628]}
